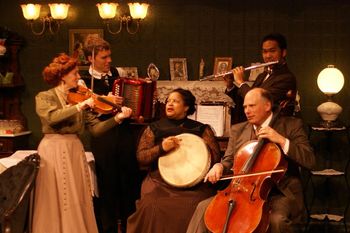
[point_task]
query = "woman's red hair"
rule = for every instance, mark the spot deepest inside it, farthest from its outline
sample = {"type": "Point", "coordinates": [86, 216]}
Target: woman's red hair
{"type": "Point", "coordinates": [59, 67]}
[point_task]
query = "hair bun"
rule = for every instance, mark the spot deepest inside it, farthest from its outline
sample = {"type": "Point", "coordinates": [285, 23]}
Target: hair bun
{"type": "Point", "coordinates": [60, 66]}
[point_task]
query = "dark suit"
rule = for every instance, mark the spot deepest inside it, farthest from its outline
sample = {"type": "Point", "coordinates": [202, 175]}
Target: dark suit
{"type": "Point", "coordinates": [104, 85]}
{"type": "Point", "coordinates": [286, 200]}
{"type": "Point", "coordinates": [118, 177]}
{"type": "Point", "coordinates": [280, 81]}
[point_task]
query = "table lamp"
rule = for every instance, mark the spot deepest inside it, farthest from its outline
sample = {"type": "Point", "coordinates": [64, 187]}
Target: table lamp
{"type": "Point", "coordinates": [330, 81]}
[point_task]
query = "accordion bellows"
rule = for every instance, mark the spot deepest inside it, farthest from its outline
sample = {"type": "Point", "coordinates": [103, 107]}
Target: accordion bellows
{"type": "Point", "coordinates": [138, 95]}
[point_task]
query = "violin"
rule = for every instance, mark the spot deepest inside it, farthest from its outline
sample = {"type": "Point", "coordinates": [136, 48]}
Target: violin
{"type": "Point", "coordinates": [103, 104]}
{"type": "Point", "coordinates": [242, 206]}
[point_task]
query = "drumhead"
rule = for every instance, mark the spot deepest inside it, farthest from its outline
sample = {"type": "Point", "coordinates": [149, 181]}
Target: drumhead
{"type": "Point", "coordinates": [187, 165]}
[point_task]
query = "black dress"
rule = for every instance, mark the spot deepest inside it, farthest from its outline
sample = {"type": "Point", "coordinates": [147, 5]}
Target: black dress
{"type": "Point", "coordinates": [164, 208]}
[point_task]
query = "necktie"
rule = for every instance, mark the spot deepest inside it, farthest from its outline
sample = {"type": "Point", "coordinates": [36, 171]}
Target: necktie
{"type": "Point", "coordinates": [256, 131]}
{"type": "Point", "coordinates": [105, 79]}
{"type": "Point", "coordinates": [268, 74]}
{"type": "Point", "coordinates": [254, 134]}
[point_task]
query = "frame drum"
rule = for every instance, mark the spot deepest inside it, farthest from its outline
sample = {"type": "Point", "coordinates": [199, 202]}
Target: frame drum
{"type": "Point", "coordinates": [187, 165]}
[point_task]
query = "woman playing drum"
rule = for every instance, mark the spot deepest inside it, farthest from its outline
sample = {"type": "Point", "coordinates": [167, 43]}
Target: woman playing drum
{"type": "Point", "coordinates": [164, 207]}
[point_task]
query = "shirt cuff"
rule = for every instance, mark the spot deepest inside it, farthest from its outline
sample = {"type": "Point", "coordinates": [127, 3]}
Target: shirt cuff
{"type": "Point", "coordinates": [78, 106]}
{"type": "Point", "coordinates": [286, 146]}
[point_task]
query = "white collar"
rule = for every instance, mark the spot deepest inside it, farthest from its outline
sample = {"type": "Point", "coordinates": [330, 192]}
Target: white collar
{"type": "Point", "coordinates": [98, 75]}
{"type": "Point", "coordinates": [265, 123]}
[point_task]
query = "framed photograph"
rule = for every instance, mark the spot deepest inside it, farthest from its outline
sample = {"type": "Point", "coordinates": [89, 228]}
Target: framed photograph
{"type": "Point", "coordinates": [178, 69]}
{"type": "Point", "coordinates": [222, 65]}
{"type": "Point", "coordinates": [153, 72]}
{"type": "Point", "coordinates": [76, 42]}
{"type": "Point", "coordinates": [127, 72]}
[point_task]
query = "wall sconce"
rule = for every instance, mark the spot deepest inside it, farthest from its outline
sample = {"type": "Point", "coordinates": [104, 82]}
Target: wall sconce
{"type": "Point", "coordinates": [108, 11]}
{"type": "Point", "coordinates": [330, 81]}
{"type": "Point", "coordinates": [58, 12]}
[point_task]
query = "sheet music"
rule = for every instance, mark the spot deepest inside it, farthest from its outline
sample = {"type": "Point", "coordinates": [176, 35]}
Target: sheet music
{"type": "Point", "coordinates": [213, 115]}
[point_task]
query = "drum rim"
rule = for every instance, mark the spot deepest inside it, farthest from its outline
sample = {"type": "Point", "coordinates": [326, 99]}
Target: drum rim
{"type": "Point", "coordinates": [194, 181]}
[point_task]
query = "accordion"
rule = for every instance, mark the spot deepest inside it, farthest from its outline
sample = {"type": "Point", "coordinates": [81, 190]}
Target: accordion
{"type": "Point", "coordinates": [139, 95]}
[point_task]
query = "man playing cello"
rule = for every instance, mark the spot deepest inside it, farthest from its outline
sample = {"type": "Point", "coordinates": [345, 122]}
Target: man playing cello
{"type": "Point", "coordinates": [285, 198]}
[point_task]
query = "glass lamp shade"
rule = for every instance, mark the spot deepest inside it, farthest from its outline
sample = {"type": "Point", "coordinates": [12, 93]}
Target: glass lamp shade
{"type": "Point", "coordinates": [329, 111]}
{"type": "Point", "coordinates": [330, 80]}
{"type": "Point", "coordinates": [107, 10]}
{"type": "Point", "coordinates": [31, 11]}
{"type": "Point", "coordinates": [59, 10]}
{"type": "Point", "coordinates": [137, 10]}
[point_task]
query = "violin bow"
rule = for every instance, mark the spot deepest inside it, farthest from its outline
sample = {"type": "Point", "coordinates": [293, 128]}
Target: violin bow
{"type": "Point", "coordinates": [251, 174]}
{"type": "Point", "coordinates": [93, 69]}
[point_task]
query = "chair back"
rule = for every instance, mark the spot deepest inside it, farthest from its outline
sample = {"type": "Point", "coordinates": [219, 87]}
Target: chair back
{"type": "Point", "coordinates": [15, 183]}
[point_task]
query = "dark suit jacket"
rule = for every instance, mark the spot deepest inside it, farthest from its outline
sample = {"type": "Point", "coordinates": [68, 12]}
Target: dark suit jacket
{"type": "Point", "coordinates": [100, 86]}
{"type": "Point", "coordinates": [116, 165]}
{"type": "Point", "coordinates": [300, 152]}
{"type": "Point", "coordinates": [280, 81]}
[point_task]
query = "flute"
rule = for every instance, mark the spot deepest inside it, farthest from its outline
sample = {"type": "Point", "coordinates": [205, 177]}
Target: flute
{"type": "Point", "coordinates": [230, 72]}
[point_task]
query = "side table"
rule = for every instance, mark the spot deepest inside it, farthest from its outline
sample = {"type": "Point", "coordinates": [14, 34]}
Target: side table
{"type": "Point", "coordinates": [10, 143]}
{"type": "Point", "coordinates": [328, 173]}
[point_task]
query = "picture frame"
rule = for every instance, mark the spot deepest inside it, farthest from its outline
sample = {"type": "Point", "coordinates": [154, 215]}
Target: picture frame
{"type": "Point", "coordinates": [76, 42]}
{"type": "Point", "coordinates": [128, 72]}
{"type": "Point", "coordinates": [153, 72]}
{"type": "Point", "coordinates": [222, 65]}
{"type": "Point", "coordinates": [178, 69]}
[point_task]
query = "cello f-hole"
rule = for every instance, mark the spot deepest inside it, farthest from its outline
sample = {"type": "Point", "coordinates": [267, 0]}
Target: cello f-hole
{"type": "Point", "coordinates": [252, 193]}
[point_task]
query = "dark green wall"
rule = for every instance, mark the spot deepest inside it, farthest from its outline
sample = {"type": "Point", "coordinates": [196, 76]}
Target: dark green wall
{"type": "Point", "coordinates": [318, 34]}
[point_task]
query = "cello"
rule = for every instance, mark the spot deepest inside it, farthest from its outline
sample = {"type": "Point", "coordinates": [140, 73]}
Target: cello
{"type": "Point", "coordinates": [242, 207]}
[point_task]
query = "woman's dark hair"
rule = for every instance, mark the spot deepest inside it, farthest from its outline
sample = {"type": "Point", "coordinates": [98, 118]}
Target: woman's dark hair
{"type": "Point", "coordinates": [188, 98]}
{"type": "Point", "coordinates": [59, 67]}
{"type": "Point", "coordinates": [279, 38]}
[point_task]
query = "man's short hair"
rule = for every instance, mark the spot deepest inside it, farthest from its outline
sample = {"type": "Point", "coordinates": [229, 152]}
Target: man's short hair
{"type": "Point", "coordinates": [279, 38]}
{"type": "Point", "coordinates": [266, 95]}
{"type": "Point", "coordinates": [96, 44]}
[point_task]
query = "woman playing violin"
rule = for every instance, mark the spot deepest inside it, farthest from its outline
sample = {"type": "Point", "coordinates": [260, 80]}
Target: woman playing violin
{"type": "Point", "coordinates": [63, 201]}
{"type": "Point", "coordinates": [285, 198]}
